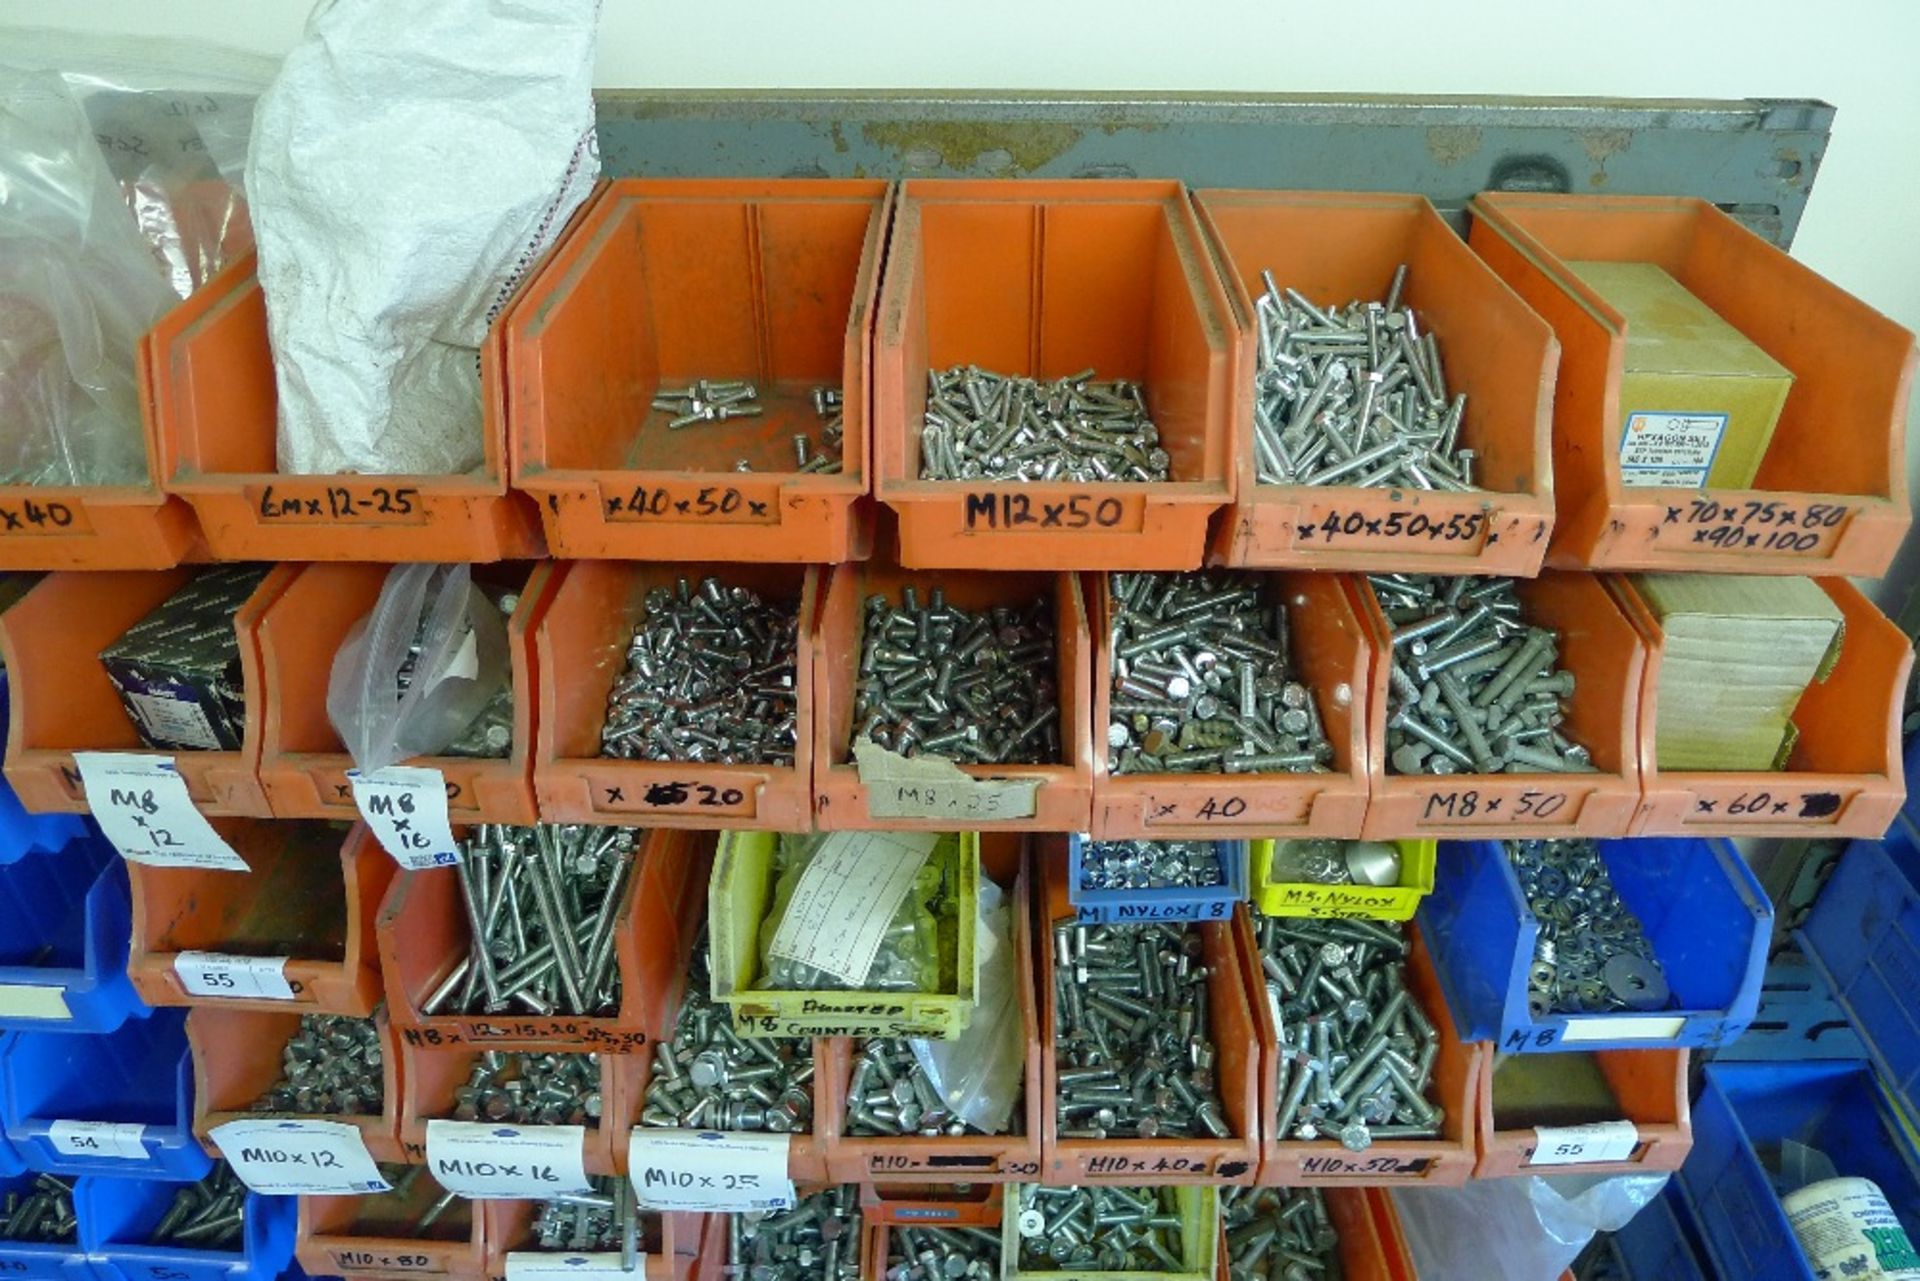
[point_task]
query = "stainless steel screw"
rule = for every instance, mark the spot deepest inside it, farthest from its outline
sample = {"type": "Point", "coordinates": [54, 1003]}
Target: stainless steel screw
{"type": "Point", "coordinates": [331, 1065]}
{"type": "Point", "coordinates": [986, 426]}
{"type": "Point", "coordinates": [532, 1089]}
{"type": "Point", "coordinates": [942, 1254]}
{"type": "Point", "coordinates": [818, 1240]}
{"type": "Point", "coordinates": [1282, 1233]}
{"type": "Point", "coordinates": [1109, 1229]}
{"type": "Point", "coordinates": [1149, 865]}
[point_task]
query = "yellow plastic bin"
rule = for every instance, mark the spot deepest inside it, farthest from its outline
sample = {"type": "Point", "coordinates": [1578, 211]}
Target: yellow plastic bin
{"type": "Point", "coordinates": [738, 900]}
{"type": "Point", "coordinates": [1379, 902]}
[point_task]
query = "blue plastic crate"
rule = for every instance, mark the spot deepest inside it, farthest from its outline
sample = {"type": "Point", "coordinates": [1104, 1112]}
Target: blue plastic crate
{"type": "Point", "coordinates": [140, 1073]}
{"type": "Point", "coordinates": [1744, 1112]}
{"type": "Point", "coordinates": [1798, 1020]}
{"type": "Point", "coordinates": [117, 1216]}
{"type": "Point", "coordinates": [1864, 937]}
{"type": "Point", "coordinates": [22, 833]}
{"type": "Point", "coordinates": [1658, 1244]}
{"type": "Point", "coordinates": [1703, 910]}
{"type": "Point", "coordinates": [38, 1262]}
{"type": "Point", "coordinates": [64, 925]}
{"type": "Point", "coordinates": [10, 1162]}
{"type": "Point", "coordinates": [1181, 903]}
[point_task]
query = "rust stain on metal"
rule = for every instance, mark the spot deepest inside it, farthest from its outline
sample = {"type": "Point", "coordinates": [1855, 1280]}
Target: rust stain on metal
{"type": "Point", "coordinates": [1450, 144]}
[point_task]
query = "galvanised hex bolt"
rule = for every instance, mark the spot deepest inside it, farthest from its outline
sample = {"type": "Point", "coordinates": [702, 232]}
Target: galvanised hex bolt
{"type": "Point", "coordinates": [942, 1254]}
{"type": "Point", "coordinates": [1131, 1065]}
{"type": "Point", "coordinates": [541, 904]}
{"type": "Point", "coordinates": [986, 426]}
{"type": "Point", "coordinates": [978, 688]}
{"type": "Point", "coordinates": [1109, 1229]}
{"type": "Point", "coordinates": [331, 1065]}
{"type": "Point", "coordinates": [1472, 687]}
{"type": "Point", "coordinates": [710, 677]}
{"type": "Point", "coordinates": [1202, 680]}
{"type": "Point", "coordinates": [1149, 865]}
{"type": "Point", "coordinates": [1354, 1065]}
{"type": "Point", "coordinates": [532, 1089]}
{"type": "Point", "coordinates": [1354, 395]}
{"type": "Point", "coordinates": [708, 1076]}
{"type": "Point", "coordinates": [817, 1240]}
{"type": "Point", "coordinates": [607, 1218]}
{"type": "Point", "coordinates": [1286, 1229]}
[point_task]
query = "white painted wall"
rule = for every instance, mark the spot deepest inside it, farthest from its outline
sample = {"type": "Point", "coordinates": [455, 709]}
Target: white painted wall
{"type": "Point", "coordinates": [1862, 228]}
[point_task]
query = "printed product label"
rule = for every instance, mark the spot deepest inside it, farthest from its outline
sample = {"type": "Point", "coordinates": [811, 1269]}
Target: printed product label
{"type": "Point", "coordinates": [1664, 449]}
{"type": "Point", "coordinates": [174, 720]}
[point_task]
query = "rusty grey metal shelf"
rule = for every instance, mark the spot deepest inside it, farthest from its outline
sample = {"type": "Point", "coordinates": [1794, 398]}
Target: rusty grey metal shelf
{"type": "Point", "coordinates": [1754, 157]}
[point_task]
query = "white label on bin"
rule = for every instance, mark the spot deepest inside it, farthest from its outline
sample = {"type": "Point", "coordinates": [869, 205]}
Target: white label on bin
{"type": "Point", "coordinates": [487, 1159]}
{"type": "Point", "coordinates": [1623, 1028]}
{"type": "Point", "coordinates": [33, 1001]}
{"type": "Point", "coordinates": [307, 1158]}
{"type": "Point", "coordinates": [934, 787]}
{"type": "Point", "coordinates": [217, 974]}
{"type": "Point", "coordinates": [1579, 1144]}
{"type": "Point", "coordinates": [1671, 449]}
{"type": "Point", "coordinates": [406, 806]}
{"type": "Point", "coordinates": [98, 1138]}
{"type": "Point", "coordinates": [709, 1172]}
{"type": "Point", "coordinates": [142, 805]}
{"type": "Point", "coordinates": [845, 900]}
{"type": "Point", "coordinates": [532, 1265]}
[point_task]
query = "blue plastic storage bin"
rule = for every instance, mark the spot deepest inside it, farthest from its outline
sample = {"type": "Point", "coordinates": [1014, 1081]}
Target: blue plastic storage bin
{"type": "Point", "coordinates": [1658, 1244]}
{"type": "Point", "coordinates": [10, 1162]}
{"type": "Point", "coordinates": [1798, 1020]}
{"type": "Point", "coordinates": [22, 833]}
{"type": "Point", "coordinates": [142, 1072]}
{"type": "Point", "coordinates": [1705, 912]}
{"type": "Point", "coordinates": [1864, 936]}
{"type": "Point", "coordinates": [118, 1215]}
{"type": "Point", "coordinates": [1182, 903]}
{"type": "Point", "coordinates": [64, 924]}
{"type": "Point", "coordinates": [37, 1262]}
{"type": "Point", "coordinates": [1746, 1110]}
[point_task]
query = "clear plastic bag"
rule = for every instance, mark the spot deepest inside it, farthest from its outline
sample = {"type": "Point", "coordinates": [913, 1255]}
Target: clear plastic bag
{"type": "Point", "coordinates": [78, 287]}
{"type": "Point", "coordinates": [1527, 1229]}
{"type": "Point", "coordinates": [917, 952]}
{"type": "Point", "coordinates": [979, 1072]}
{"type": "Point", "coordinates": [420, 668]}
{"type": "Point", "coordinates": [119, 161]}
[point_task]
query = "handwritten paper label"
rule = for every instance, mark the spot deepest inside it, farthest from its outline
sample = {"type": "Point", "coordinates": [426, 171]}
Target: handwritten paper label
{"type": "Point", "coordinates": [293, 1157]}
{"type": "Point", "coordinates": [845, 900]}
{"type": "Point", "coordinates": [406, 806]}
{"type": "Point", "coordinates": [709, 1172]}
{"type": "Point", "coordinates": [486, 1159]}
{"type": "Point", "coordinates": [142, 805]}
{"type": "Point", "coordinates": [934, 787]}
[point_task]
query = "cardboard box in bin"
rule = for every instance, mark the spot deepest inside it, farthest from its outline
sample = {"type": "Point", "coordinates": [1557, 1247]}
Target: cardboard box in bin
{"type": "Point", "coordinates": [740, 898]}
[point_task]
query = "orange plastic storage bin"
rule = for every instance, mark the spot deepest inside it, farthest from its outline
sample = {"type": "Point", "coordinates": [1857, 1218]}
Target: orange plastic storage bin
{"type": "Point", "coordinates": [431, 1074]}
{"type": "Point", "coordinates": [423, 935]}
{"type": "Point", "coordinates": [374, 1236]}
{"type": "Point", "coordinates": [1236, 1067]}
{"type": "Point", "coordinates": [1651, 1086]}
{"type": "Point", "coordinates": [666, 281]}
{"type": "Point", "coordinates": [880, 1214]}
{"type": "Point", "coordinates": [1332, 655]}
{"type": "Point", "coordinates": [1446, 1161]}
{"type": "Point", "coordinates": [672, 1243]}
{"type": "Point", "coordinates": [64, 702]}
{"type": "Point", "coordinates": [842, 800]}
{"type": "Point", "coordinates": [1845, 776]}
{"type": "Point", "coordinates": [213, 404]}
{"type": "Point", "coordinates": [311, 898]}
{"type": "Point", "coordinates": [303, 763]}
{"type": "Point", "coordinates": [1371, 1247]}
{"type": "Point", "coordinates": [1606, 656]}
{"type": "Point", "coordinates": [581, 650]}
{"type": "Point", "coordinates": [911, 1159]}
{"type": "Point", "coordinates": [1336, 247]}
{"type": "Point", "coordinates": [236, 1059]}
{"type": "Point", "coordinates": [1831, 493]}
{"type": "Point", "coordinates": [1043, 280]}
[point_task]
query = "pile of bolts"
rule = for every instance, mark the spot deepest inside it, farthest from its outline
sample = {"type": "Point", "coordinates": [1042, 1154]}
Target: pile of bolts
{"type": "Point", "coordinates": [988, 426]}
{"type": "Point", "coordinates": [331, 1065]}
{"type": "Point", "coordinates": [541, 903]}
{"type": "Point", "coordinates": [817, 1240]}
{"type": "Point", "coordinates": [1203, 680]}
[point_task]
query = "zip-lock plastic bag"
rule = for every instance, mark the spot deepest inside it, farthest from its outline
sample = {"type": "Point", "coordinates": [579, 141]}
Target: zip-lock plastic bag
{"type": "Point", "coordinates": [916, 950]}
{"type": "Point", "coordinates": [1527, 1229]}
{"type": "Point", "coordinates": [420, 668]}
{"type": "Point", "coordinates": [978, 1073]}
